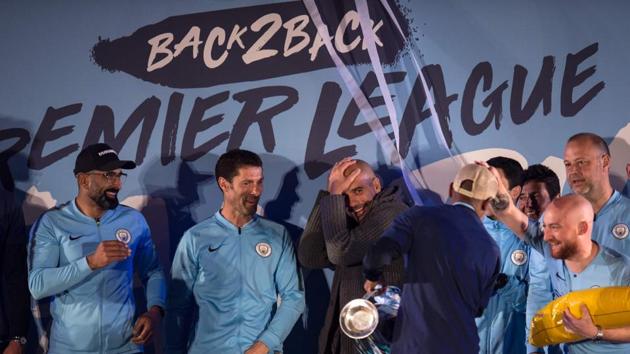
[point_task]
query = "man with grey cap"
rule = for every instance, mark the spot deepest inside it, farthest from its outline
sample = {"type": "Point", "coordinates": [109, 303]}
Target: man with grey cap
{"type": "Point", "coordinates": [451, 267]}
{"type": "Point", "coordinates": [84, 254]}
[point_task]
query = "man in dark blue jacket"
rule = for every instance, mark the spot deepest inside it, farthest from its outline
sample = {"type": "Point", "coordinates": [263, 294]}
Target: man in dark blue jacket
{"type": "Point", "coordinates": [451, 266]}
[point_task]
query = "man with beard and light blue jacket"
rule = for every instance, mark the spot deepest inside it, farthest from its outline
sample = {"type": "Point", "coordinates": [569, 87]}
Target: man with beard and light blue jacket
{"type": "Point", "coordinates": [233, 266]}
{"type": "Point", "coordinates": [84, 254]}
{"type": "Point", "coordinates": [501, 328]}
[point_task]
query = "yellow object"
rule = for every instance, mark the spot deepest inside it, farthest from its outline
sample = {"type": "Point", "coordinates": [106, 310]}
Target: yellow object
{"type": "Point", "coordinates": [609, 307]}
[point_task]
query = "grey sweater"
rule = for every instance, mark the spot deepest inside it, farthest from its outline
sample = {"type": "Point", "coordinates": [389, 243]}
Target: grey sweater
{"type": "Point", "coordinates": [333, 239]}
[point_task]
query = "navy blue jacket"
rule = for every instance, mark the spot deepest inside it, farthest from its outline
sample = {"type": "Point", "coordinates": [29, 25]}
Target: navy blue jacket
{"type": "Point", "coordinates": [451, 266]}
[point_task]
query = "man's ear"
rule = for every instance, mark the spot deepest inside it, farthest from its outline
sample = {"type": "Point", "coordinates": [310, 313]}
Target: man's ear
{"type": "Point", "coordinates": [224, 184]}
{"type": "Point", "coordinates": [486, 206]}
{"type": "Point", "coordinates": [83, 181]}
{"type": "Point", "coordinates": [515, 192]}
{"type": "Point", "coordinates": [606, 160]}
{"type": "Point", "coordinates": [376, 183]}
{"type": "Point", "coordinates": [582, 227]}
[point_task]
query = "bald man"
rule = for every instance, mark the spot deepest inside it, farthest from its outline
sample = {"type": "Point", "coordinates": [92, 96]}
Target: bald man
{"type": "Point", "coordinates": [577, 262]}
{"type": "Point", "coordinates": [587, 161]}
{"type": "Point", "coordinates": [346, 219]}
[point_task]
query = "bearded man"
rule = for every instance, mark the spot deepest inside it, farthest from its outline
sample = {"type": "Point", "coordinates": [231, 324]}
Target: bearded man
{"type": "Point", "coordinates": [84, 253]}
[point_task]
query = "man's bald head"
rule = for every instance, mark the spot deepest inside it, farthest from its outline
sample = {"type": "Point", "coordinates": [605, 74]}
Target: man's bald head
{"type": "Point", "coordinates": [594, 140]}
{"type": "Point", "coordinates": [568, 224]}
{"type": "Point", "coordinates": [365, 168]}
{"type": "Point", "coordinates": [573, 205]}
{"type": "Point", "coordinates": [363, 189]}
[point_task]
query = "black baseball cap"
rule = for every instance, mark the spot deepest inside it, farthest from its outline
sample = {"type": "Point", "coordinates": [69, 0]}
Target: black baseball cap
{"type": "Point", "coordinates": [100, 157]}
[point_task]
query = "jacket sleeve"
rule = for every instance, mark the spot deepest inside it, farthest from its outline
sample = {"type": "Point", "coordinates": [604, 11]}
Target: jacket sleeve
{"type": "Point", "coordinates": [345, 245]}
{"type": "Point", "coordinates": [14, 270]}
{"type": "Point", "coordinates": [396, 241]}
{"type": "Point", "coordinates": [539, 293]}
{"type": "Point", "coordinates": [148, 267]}
{"type": "Point", "coordinates": [534, 235]}
{"type": "Point", "coordinates": [491, 272]}
{"type": "Point", "coordinates": [289, 287]}
{"type": "Point", "coordinates": [180, 303]}
{"type": "Point", "coordinates": [312, 248]}
{"type": "Point", "coordinates": [45, 276]}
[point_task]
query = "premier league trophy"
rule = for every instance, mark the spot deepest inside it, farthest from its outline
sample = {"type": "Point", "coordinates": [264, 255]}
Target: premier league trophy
{"type": "Point", "coordinates": [370, 320]}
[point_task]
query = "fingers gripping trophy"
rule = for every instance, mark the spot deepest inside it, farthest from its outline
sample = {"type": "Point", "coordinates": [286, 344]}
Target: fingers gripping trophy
{"type": "Point", "coordinates": [370, 320]}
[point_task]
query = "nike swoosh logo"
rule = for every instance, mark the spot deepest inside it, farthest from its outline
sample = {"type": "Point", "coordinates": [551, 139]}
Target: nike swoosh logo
{"type": "Point", "coordinates": [210, 249]}
{"type": "Point", "coordinates": [76, 237]}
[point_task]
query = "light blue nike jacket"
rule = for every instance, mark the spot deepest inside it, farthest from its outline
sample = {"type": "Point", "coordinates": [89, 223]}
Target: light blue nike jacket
{"type": "Point", "coordinates": [501, 328]}
{"type": "Point", "coordinates": [92, 310]}
{"type": "Point", "coordinates": [234, 276]}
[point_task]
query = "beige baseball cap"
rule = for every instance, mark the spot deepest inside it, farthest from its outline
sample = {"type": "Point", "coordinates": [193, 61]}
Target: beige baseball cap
{"type": "Point", "coordinates": [475, 181]}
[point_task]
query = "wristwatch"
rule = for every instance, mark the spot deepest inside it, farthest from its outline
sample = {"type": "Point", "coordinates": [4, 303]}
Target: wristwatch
{"type": "Point", "coordinates": [21, 340]}
{"type": "Point", "coordinates": [600, 334]}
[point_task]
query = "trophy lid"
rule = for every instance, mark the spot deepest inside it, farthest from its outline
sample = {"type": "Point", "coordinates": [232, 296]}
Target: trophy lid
{"type": "Point", "coordinates": [358, 319]}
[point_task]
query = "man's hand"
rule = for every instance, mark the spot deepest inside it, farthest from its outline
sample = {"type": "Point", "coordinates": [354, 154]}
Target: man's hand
{"type": "Point", "coordinates": [14, 347]}
{"type": "Point", "coordinates": [146, 323]}
{"type": "Point", "coordinates": [503, 200]}
{"type": "Point", "coordinates": [584, 326]}
{"type": "Point", "coordinates": [258, 348]}
{"type": "Point", "coordinates": [337, 182]}
{"type": "Point", "coordinates": [108, 252]}
{"type": "Point", "coordinates": [370, 286]}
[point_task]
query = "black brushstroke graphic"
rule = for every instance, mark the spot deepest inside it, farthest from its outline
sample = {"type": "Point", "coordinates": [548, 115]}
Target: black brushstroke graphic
{"type": "Point", "coordinates": [133, 54]}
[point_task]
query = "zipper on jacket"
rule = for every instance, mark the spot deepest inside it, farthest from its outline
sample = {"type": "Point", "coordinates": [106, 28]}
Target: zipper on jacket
{"type": "Point", "coordinates": [240, 296]}
{"type": "Point", "coordinates": [100, 304]}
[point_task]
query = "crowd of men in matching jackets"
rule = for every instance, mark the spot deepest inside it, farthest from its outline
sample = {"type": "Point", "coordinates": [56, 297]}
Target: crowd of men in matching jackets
{"type": "Point", "coordinates": [473, 272]}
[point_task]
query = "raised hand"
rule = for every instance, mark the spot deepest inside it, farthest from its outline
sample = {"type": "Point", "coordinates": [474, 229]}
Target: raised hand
{"type": "Point", "coordinates": [337, 182]}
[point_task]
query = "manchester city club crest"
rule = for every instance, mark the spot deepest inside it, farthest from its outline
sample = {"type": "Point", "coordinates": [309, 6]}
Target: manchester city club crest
{"type": "Point", "coordinates": [620, 231]}
{"type": "Point", "coordinates": [263, 249]}
{"type": "Point", "coordinates": [519, 257]}
{"type": "Point", "coordinates": [123, 235]}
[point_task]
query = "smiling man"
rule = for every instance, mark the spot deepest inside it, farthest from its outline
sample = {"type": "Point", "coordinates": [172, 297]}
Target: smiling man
{"type": "Point", "coordinates": [233, 266]}
{"type": "Point", "coordinates": [345, 221]}
{"type": "Point", "coordinates": [577, 262]}
{"type": "Point", "coordinates": [540, 187]}
{"type": "Point", "coordinates": [84, 254]}
{"type": "Point", "coordinates": [587, 163]}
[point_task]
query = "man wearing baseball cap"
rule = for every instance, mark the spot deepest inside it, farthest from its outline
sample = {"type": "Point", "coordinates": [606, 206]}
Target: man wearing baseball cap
{"type": "Point", "coordinates": [451, 267]}
{"type": "Point", "coordinates": [84, 253]}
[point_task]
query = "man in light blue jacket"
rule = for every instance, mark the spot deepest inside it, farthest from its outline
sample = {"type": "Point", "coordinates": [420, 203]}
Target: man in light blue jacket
{"type": "Point", "coordinates": [84, 254]}
{"type": "Point", "coordinates": [540, 187]}
{"type": "Point", "coordinates": [501, 328]}
{"type": "Point", "coordinates": [234, 266]}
